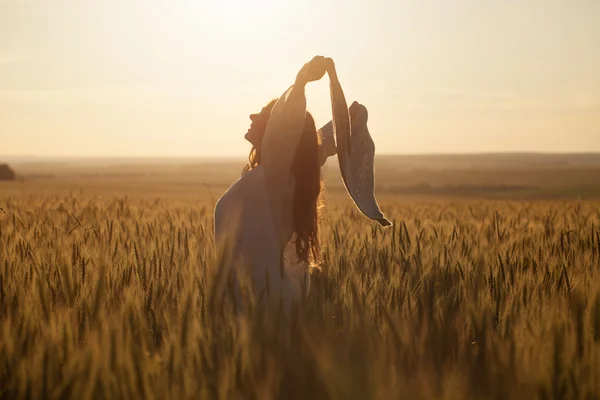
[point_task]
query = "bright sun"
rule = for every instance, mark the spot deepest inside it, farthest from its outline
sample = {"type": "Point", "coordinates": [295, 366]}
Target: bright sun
{"type": "Point", "coordinates": [238, 15]}
{"type": "Point", "coordinates": [249, 8]}
{"type": "Point", "coordinates": [238, 5]}
{"type": "Point", "coordinates": [253, 19]}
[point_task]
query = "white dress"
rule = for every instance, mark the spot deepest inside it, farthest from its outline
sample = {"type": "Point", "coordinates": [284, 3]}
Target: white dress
{"type": "Point", "coordinates": [255, 216]}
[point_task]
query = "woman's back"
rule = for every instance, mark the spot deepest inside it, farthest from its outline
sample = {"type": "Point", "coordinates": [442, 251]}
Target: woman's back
{"type": "Point", "coordinates": [243, 215]}
{"type": "Point", "coordinates": [246, 226]}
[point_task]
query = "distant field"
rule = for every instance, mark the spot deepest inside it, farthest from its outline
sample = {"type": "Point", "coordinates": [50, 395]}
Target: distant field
{"type": "Point", "coordinates": [487, 287]}
{"type": "Point", "coordinates": [516, 176]}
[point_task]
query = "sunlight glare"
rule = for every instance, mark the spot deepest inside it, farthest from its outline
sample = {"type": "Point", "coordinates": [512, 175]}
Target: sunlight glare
{"type": "Point", "coordinates": [238, 15]}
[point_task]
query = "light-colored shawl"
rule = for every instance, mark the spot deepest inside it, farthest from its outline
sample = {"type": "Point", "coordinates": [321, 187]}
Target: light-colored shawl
{"type": "Point", "coordinates": [355, 150]}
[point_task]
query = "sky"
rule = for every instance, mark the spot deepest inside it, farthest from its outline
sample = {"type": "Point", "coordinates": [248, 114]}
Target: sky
{"type": "Point", "coordinates": [179, 78]}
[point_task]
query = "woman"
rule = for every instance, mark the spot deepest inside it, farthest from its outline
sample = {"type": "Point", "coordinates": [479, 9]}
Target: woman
{"type": "Point", "coordinates": [273, 206]}
{"type": "Point", "coordinates": [267, 221]}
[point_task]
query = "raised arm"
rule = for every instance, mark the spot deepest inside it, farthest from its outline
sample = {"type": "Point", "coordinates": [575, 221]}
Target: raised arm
{"type": "Point", "coordinates": [286, 124]}
{"type": "Point", "coordinates": [283, 134]}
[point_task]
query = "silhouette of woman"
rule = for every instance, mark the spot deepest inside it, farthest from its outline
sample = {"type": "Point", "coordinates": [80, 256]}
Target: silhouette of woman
{"type": "Point", "coordinates": [267, 221]}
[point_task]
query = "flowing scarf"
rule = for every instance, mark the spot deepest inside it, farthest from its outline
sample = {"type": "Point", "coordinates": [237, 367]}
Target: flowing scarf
{"type": "Point", "coordinates": [356, 153]}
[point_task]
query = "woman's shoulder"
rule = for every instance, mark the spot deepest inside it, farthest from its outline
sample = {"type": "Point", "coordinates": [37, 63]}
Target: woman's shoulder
{"type": "Point", "coordinates": [250, 184]}
{"type": "Point", "coordinates": [249, 180]}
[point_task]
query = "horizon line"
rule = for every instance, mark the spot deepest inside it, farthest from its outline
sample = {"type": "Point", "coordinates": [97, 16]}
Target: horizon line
{"type": "Point", "coordinates": [213, 157]}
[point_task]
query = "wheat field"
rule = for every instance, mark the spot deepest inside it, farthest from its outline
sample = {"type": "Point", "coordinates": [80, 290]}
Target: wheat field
{"type": "Point", "coordinates": [110, 297]}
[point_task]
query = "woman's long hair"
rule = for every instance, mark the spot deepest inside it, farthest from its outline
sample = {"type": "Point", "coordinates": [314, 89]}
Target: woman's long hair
{"type": "Point", "coordinates": [306, 170]}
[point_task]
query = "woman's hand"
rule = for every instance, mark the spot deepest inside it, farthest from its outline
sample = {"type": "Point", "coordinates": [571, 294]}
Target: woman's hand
{"type": "Point", "coordinates": [314, 70]}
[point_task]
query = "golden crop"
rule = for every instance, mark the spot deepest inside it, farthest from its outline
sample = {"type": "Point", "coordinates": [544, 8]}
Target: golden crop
{"type": "Point", "coordinates": [110, 298]}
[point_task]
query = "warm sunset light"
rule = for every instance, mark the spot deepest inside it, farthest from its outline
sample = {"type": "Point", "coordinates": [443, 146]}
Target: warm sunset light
{"type": "Point", "coordinates": [299, 199]}
{"type": "Point", "coordinates": [249, 9]}
{"type": "Point", "coordinates": [117, 77]}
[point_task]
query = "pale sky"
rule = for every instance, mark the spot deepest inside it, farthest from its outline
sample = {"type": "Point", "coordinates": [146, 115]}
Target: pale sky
{"type": "Point", "coordinates": [179, 78]}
